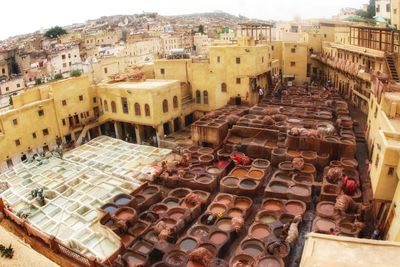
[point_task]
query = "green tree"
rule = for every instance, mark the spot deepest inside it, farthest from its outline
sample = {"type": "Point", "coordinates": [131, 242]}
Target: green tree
{"type": "Point", "coordinates": [38, 81]}
{"type": "Point", "coordinates": [58, 76]}
{"type": "Point", "coordinates": [55, 32]}
{"type": "Point", "coordinates": [371, 9]}
{"type": "Point", "coordinates": [75, 73]}
{"type": "Point", "coordinates": [362, 13]}
{"type": "Point", "coordinates": [10, 102]}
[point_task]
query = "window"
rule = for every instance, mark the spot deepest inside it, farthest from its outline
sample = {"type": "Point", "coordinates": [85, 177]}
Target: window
{"type": "Point", "coordinates": [64, 65]}
{"type": "Point", "coordinates": [308, 70]}
{"type": "Point", "coordinates": [45, 132]}
{"type": "Point", "coordinates": [3, 70]}
{"type": "Point", "coordinates": [205, 97]}
{"type": "Point", "coordinates": [105, 70]}
{"type": "Point", "coordinates": [63, 56]}
{"type": "Point", "coordinates": [218, 59]}
{"type": "Point", "coordinates": [81, 98]}
{"type": "Point", "coordinates": [137, 109]}
{"type": "Point", "coordinates": [238, 60]}
{"type": "Point", "coordinates": [64, 102]}
{"type": "Point", "coordinates": [94, 100]}
{"type": "Point", "coordinates": [113, 107]}
{"type": "Point", "coordinates": [293, 50]}
{"type": "Point", "coordinates": [41, 113]}
{"type": "Point", "coordinates": [198, 97]}
{"type": "Point", "coordinates": [272, 48]}
{"type": "Point", "coordinates": [15, 121]}
{"type": "Point", "coordinates": [175, 102]}
{"type": "Point", "coordinates": [292, 63]}
{"type": "Point", "coordinates": [18, 85]}
{"type": "Point", "coordinates": [105, 105]}
{"type": "Point", "coordinates": [147, 110]}
{"type": "Point", "coordinates": [325, 35]}
{"type": "Point", "coordinates": [262, 59]}
{"type": "Point", "coordinates": [34, 135]}
{"type": "Point", "coordinates": [394, 11]}
{"type": "Point", "coordinates": [223, 88]}
{"type": "Point", "coordinates": [63, 122]}
{"type": "Point", "coordinates": [391, 171]}
{"type": "Point", "coordinates": [237, 80]}
{"type": "Point", "coordinates": [7, 89]}
{"type": "Point", "coordinates": [377, 8]}
{"type": "Point", "coordinates": [124, 104]}
{"type": "Point", "coordinates": [17, 142]}
{"type": "Point", "coordinates": [165, 106]}
{"type": "Point", "coordinates": [162, 71]}
{"type": "Point", "coordinates": [387, 7]}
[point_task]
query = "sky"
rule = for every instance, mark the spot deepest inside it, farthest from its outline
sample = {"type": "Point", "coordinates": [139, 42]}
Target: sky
{"type": "Point", "coordinates": [25, 16]}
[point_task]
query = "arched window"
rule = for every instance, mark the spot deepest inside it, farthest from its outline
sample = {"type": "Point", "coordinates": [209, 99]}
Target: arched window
{"type": "Point", "coordinates": [198, 97]}
{"type": "Point", "coordinates": [137, 109]}
{"type": "Point", "coordinates": [223, 87]}
{"type": "Point", "coordinates": [165, 106]}
{"type": "Point", "coordinates": [175, 102]}
{"type": "Point", "coordinates": [205, 97]}
{"type": "Point", "coordinates": [105, 105]}
{"type": "Point", "coordinates": [113, 107]}
{"type": "Point", "coordinates": [147, 110]}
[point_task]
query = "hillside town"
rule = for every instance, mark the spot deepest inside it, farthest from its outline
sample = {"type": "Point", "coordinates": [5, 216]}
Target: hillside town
{"type": "Point", "coordinates": [205, 139]}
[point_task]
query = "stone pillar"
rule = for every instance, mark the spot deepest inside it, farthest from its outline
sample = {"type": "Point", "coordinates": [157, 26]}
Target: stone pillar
{"type": "Point", "coordinates": [117, 130]}
{"type": "Point", "coordinates": [171, 126]}
{"type": "Point", "coordinates": [182, 122]}
{"type": "Point", "coordinates": [138, 134]}
{"type": "Point", "coordinates": [89, 135]}
{"type": "Point", "coordinates": [159, 133]}
{"type": "Point", "coordinates": [99, 130]}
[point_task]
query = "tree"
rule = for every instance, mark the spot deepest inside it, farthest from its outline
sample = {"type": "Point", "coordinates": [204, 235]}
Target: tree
{"type": "Point", "coordinates": [362, 13]}
{"type": "Point", "coordinates": [10, 101]}
{"type": "Point", "coordinates": [38, 81]}
{"type": "Point", "coordinates": [201, 28]}
{"type": "Point", "coordinates": [58, 76]}
{"type": "Point", "coordinates": [371, 9]}
{"type": "Point", "coordinates": [55, 32]}
{"type": "Point", "coordinates": [75, 73]}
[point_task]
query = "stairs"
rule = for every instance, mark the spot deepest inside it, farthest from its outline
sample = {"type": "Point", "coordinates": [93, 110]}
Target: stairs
{"type": "Point", "coordinates": [84, 132]}
{"type": "Point", "coordinates": [392, 67]}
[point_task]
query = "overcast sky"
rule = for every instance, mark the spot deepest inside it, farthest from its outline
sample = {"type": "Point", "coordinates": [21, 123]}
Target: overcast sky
{"type": "Point", "coordinates": [25, 16]}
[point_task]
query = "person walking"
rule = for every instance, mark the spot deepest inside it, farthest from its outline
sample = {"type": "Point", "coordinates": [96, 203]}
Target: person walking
{"type": "Point", "coordinates": [260, 93]}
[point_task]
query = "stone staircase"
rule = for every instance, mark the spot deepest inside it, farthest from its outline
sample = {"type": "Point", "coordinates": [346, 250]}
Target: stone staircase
{"type": "Point", "coordinates": [392, 67]}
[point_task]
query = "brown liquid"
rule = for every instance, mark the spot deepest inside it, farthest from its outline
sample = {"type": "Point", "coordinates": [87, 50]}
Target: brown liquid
{"type": "Point", "coordinates": [260, 231]}
{"type": "Point", "coordinates": [218, 238]}
{"type": "Point", "coordinates": [242, 204]}
{"type": "Point", "coordinates": [294, 208]}
{"type": "Point", "coordinates": [240, 173]}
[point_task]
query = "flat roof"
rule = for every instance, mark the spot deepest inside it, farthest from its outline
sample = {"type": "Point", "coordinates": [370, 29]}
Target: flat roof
{"type": "Point", "coordinates": [333, 251]}
{"type": "Point", "coordinates": [145, 85]}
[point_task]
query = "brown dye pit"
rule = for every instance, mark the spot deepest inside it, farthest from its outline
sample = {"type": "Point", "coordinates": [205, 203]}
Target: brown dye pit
{"type": "Point", "coordinates": [273, 205]}
{"type": "Point", "coordinates": [225, 224]}
{"type": "Point", "coordinates": [159, 208]}
{"type": "Point", "coordinates": [137, 229]}
{"type": "Point", "coordinates": [256, 174]}
{"type": "Point", "coordinates": [269, 262]}
{"type": "Point", "coordinates": [239, 172]}
{"type": "Point", "coordinates": [151, 190]}
{"type": "Point", "coordinates": [260, 231]}
{"type": "Point", "coordinates": [230, 181]}
{"type": "Point", "coordinates": [294, 208]}
{"type": "Point", "coordinates": [151, 236]}
{"type": "Point", "coordinates": [189, 176]}
{"type": "Point", "coordinates": [300, 190]}
{"type": "Point", "coordinates": [242, 203]}
{"type": "Point", "coordinates": [326, 208]}
{"type": "Point", "coordinates": [125, 214]}
{"type": "Point", "coordinates": [224, 199]}
{"type": "Point", "coordinates": [235, 212]}
{"type": "Point", "coordinates": [204, 179]}
{"type": "Point", "coordinates": [213, 170]}
{"type": "Point", "coordinates": [217, 208]}
{"type": "Point", "coordinates": [176, 214]}
{"type": "Point", "coordinates": [279, 187]}
{"type": "Point", "coordinates": [325, 225]}
{"type": "Point", "coordinates": [253, 247]}
{"type": "Point", "coordinates": [218, 238]}
{"type": "Point", "coordinates": [176, 258]}
{"type": "Point", "coordinates": [200, 231]}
